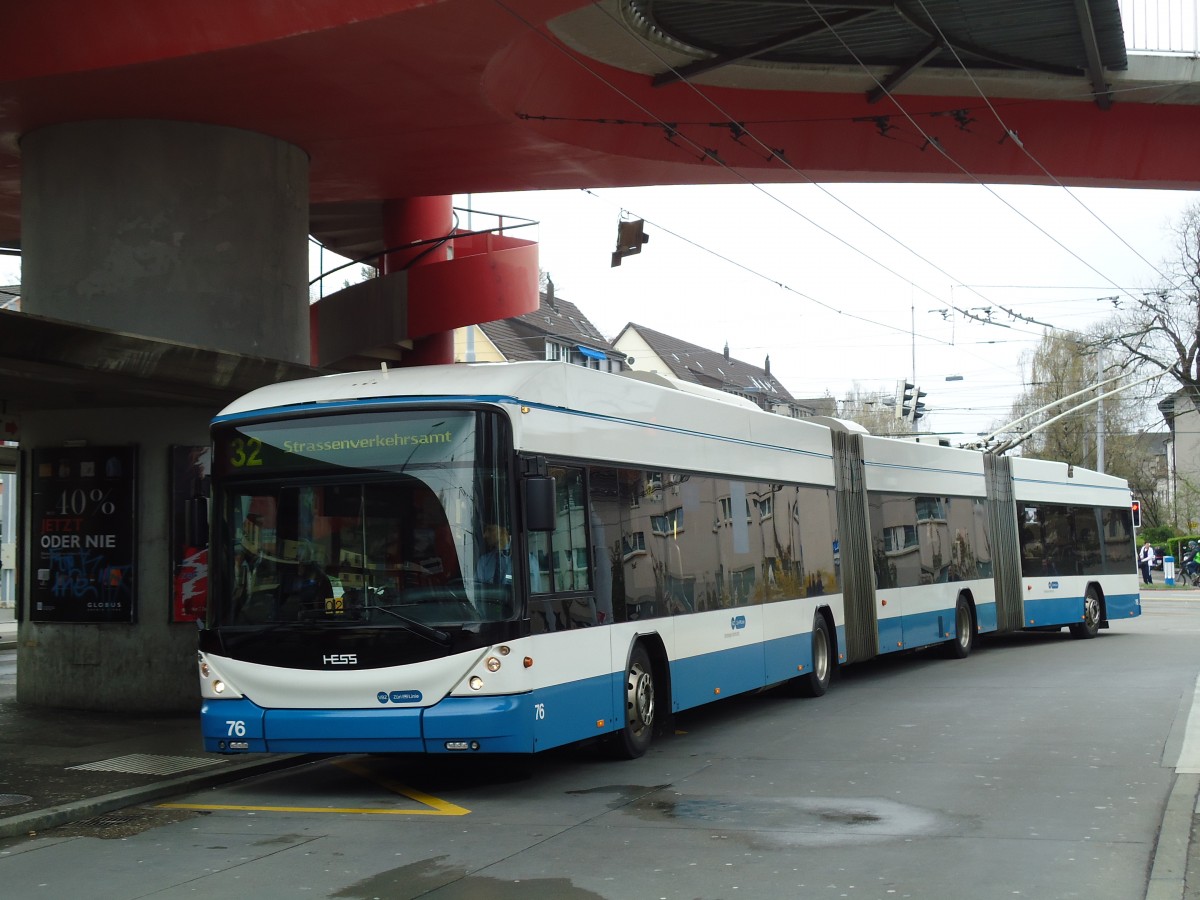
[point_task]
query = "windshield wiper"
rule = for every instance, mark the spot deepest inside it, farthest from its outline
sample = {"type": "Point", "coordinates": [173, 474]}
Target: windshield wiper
{"type": "Point", "coordinates": [418, 628]}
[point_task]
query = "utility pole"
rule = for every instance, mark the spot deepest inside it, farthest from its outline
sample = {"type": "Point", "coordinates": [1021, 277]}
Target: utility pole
{"type": "Point", "coordinates": [1099, 416]}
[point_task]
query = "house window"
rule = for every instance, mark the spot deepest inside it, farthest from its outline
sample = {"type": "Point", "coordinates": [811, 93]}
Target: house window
{"type": "Point", "coordinates": [556, 351]}
{"type": "Point", "coordinates": [669, 524]}
{"type": "Point", "coordinates": [899, 538]}
{"type": "Point", "coordinates": [653, 484]}
{"type": "Point", "coordinates": [726, 509]}
{"type": "Point", "coordinates": [930, 509]}
{"type": "Point", "coordinates": [741, 585]}
{"type": "Point", "coordinates": [633, 544]}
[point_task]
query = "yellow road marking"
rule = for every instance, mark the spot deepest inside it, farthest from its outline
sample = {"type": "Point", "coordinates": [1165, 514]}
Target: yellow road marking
{"type": "Point", "coordinates": [433, 806]}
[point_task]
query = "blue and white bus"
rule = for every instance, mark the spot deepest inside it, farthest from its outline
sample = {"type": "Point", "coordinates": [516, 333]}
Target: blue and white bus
{"type": "Point", "coordinates": [505, 558]}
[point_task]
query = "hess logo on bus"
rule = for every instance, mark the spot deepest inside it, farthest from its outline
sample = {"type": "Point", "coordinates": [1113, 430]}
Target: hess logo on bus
{"type": "Point", "coordinates": [340, 659]}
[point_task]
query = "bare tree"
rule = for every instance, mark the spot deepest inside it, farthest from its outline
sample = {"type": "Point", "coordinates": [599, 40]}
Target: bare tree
{"type": "Point", "coordinates": [1162, 330]}
{"type": "Point", "coordinates": [874, 411]}
{"type": "Point", "coordinates": [1063, 364]}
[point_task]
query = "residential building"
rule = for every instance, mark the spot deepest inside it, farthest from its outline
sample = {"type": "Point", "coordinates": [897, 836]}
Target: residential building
{"type": "Point", "coordinates": [647, 350]}
{"type": "Point", "coordinates": [1183, 459]}
{"type": "Point", "coordinates": [557, 330]}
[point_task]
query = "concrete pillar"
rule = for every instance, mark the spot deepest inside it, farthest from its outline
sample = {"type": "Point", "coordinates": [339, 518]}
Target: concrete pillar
{"type": "Point", "coordinates": [186, 233]}
{"type": "Point", "coordinates": [191, 233]}
{"type": "Point", "coordinates": [146, 666]}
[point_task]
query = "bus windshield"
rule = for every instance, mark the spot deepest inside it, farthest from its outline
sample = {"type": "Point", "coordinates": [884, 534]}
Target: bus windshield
{"type": "Point", "coordinates": [383, 519]}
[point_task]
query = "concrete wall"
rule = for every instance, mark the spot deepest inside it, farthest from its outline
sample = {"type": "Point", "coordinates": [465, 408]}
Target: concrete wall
{"type": "Point", "coordinates": [148, 666]}
{"type": "Point", "coordinates": [191, 233]}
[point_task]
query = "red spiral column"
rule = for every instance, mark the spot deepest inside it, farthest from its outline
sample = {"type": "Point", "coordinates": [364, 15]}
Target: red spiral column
{"type": "Point", "coordinates": [404, 222]}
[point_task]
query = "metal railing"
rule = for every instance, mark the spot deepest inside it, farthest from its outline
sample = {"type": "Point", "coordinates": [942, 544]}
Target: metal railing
{"type": "Point", "coordinates": [1161, 26]}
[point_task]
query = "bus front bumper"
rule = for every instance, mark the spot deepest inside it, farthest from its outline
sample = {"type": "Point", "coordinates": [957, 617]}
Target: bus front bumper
{"type": "Point", "coordinates": [456, 724]}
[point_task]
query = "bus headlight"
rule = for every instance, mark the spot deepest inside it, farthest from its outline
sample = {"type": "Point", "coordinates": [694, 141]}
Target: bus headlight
{"type": "Point", "coordinates": [493, 664]}
{"type": "Point", "coordinates": [218, 686]}
{"type": "Point", "coordinates": [476, 683]}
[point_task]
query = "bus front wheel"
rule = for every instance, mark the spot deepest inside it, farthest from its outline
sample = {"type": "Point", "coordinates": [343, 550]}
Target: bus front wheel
{"type": "Point", "coordinates": [638, 730]}
{"type": "Point", "coordinates": [1090, 626]}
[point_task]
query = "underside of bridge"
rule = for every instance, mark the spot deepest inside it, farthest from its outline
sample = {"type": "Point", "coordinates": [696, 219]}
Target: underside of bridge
{"type": "Point", "coordinates": [161, 166]}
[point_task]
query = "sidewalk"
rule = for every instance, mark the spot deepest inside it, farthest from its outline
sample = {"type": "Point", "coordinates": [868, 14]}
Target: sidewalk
{"type": "Point", "coordinates": [59, 766]}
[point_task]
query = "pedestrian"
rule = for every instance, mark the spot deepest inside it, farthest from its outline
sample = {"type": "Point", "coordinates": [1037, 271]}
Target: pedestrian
{"type": "Point", "coordinates": [1145, 560]}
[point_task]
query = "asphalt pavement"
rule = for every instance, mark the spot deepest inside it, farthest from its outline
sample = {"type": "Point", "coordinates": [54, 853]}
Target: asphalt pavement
{"type": "Point", "coordinates": [60, 766]}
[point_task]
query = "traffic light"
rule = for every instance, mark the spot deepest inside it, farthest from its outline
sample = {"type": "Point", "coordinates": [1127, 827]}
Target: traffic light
{"type": "Point", "coordinates": [631, 234]}
{"type": "Point", "coordinates": [910, 404]}
{"type": "Point", "coordinates": [903, 399]}
{"type": "Point", "coordinates": [1137, 513]}
{"type": "Point", "coordinates": [918, 406]}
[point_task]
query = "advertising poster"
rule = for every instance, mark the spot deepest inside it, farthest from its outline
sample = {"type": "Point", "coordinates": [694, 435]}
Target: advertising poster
{"type": "Point", "coordinates": [83, 515]}
{"type": "Point", "coordinates": [191, 470]}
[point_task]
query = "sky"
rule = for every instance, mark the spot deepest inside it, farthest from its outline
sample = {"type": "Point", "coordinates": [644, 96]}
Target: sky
{"type": "Point", "coordinates": [856, 285]}
{"type": "Point", "coordinates": [852, 285]}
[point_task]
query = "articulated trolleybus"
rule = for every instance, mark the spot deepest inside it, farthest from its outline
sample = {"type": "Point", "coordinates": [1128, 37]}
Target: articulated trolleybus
{"type": "Point", "coordinates": [509, 557]}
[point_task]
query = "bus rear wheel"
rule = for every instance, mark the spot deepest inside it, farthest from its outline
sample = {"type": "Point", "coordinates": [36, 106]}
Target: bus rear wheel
{"type": "Point", "coordinates": [635, 735]}
{"type": "Point", "coordinates": [964, 631]}
{"type": "Point", "coordinates": [1090, 626]}
{"type": "Point", "coordinates": [816, 682]}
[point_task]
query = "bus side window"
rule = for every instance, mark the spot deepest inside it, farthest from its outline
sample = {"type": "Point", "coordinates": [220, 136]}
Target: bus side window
{"type": "Point", "coordinates": [559, 560]}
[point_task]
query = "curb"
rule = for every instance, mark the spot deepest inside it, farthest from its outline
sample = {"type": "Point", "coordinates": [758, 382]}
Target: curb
{"type": "Point", "coordinates": [54, 816]}
{"type": "Point", "coordinates": [1174, 837]}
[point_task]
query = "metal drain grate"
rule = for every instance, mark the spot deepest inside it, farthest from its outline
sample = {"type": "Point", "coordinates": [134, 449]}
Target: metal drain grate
{"type": "Point", "coordinates": [14, 799]}
{"type": "Point", "coordinates": [146, 764]}
{"type": "Point", "coordinates": [111, 820]}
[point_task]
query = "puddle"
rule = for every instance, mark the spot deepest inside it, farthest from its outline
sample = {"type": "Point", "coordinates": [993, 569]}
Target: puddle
{"type": "Point", "coordinates": [807, 820]}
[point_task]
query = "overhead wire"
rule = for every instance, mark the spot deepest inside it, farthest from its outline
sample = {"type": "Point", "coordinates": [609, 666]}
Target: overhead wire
{"type": "Point", "coordinates": [707, 153]}
{"type": "Point", "coordinates": [1021, 144]}
{"type": "Point", "coordinates": [907, 332]}
{"type": "Point", "coordinates": [774, 153]}
{"type": "Point", "coordinates": [936, 144]}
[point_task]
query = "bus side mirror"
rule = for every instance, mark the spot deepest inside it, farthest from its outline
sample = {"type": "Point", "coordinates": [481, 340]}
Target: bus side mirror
{"type": "Point", "coordinates": [540, 512]}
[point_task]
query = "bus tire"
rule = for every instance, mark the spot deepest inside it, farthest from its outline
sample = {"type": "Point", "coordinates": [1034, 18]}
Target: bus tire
{"type": "Point", "coordinates": [1090, 626]}
{"type": "Point", "coordinates": [635, 735]}
{"type": "Point", "coordinates": [816, 682]}
{"type": "Point", "coordinates": [964, 631]}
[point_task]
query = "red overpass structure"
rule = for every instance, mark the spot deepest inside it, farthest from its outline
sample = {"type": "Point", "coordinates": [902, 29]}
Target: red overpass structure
{"type": "Point", "coordinates": [162, 165]}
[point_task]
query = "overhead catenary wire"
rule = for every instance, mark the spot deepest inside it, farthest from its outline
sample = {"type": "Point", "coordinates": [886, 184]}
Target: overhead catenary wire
{"type": "Point", "coordinates": [708, 154]}
{"type": "Point", "coordinates": [774, 153]}
{"type": "Point", "coordinates": [1022, 146]}
{"type": "Point", "coordinates": [945, 154]}
{"type": "Point", "coordinates": [686, 142]}
{"type": "Point", "coordinates": [907, 332]}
